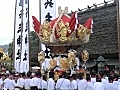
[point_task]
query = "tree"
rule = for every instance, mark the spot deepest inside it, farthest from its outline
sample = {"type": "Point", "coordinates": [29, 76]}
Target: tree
{"type": "Point", "coordinates": [10, 49]}
{"type": "Point", "coordinates": [33, 46]}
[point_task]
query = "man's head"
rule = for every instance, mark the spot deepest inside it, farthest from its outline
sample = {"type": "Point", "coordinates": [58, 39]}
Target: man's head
{"type": "Point", "coordinates": [11, 76]}
{"type": "Point", "coordinates": [3, 76]}
{"type": "Point", "coordinates": [116, 76]}
{"type": "Point", "coordinates": [111, 79]}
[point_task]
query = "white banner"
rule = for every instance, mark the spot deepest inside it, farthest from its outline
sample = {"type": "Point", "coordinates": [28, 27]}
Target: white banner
{"type": "Point", "coordinates": [21, 64]}
{"type": "Point", "coordinates": [48, 12]}
{"type": "Point", "coordinates": [17, 35]}
{"type": "Point", "coordinates": [24, 67]}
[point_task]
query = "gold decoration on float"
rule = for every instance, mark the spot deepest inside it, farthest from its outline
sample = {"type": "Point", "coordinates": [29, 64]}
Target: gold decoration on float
{"type": "Point", "coordinates": [45, 31]}
{"type": "Point", "coordinates": [71, 58]}
{"type": "Point", "coordinates": [85, 55]}
{"type": "Point", "coordinates": [62, 31]}
{"type": "Point", "coordinates": [4, 56]}
{"type": "Point", "coordinates": [41, 57]}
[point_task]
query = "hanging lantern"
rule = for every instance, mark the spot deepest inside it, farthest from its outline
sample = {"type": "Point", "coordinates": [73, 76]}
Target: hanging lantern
{"type": "Point", "coordinates": [85, 55]}
{"type": "Point", "coordinates": [72, 57]}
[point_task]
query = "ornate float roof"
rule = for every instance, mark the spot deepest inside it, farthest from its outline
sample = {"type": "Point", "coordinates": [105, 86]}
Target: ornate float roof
{"type": "Point", "coordinates": [64, 30]}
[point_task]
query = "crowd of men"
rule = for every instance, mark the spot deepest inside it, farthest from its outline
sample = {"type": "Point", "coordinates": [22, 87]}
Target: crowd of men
{"type": "Point", "coordinates": [76, 81]}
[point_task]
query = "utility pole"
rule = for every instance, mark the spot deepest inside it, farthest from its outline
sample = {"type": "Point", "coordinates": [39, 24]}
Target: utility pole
{"type": "Point", "coordinates": [118, 27]}
{"type": "Point", "coordinates": [40, 22]}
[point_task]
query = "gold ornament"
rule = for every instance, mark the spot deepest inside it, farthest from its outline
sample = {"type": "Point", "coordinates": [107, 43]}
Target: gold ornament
{"type": "Point", "coordinates": [41, 57]}
{"type": "Point", "coordinates": [71, 58]}
{"type": "Point", "coordinates": [81, 32]}
{"type": "Point", "coordinates": [62, 31]}
{"type": "Point", "coordinates": [87, 35]}
{"type": "Point", "coordinates": [64, 63]}
{"type": "Point", "coordinates": [85, 55]}
{"type": "Point", "coordinates": [52, 64]}
{"type": "Point", "coordinates": [46, 30]}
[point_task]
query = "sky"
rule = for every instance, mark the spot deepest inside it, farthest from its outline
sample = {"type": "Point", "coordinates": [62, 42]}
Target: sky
{"type": "Point", "coordinates": [7, 9]}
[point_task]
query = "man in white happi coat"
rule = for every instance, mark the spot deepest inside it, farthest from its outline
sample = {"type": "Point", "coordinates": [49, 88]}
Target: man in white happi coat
{"type": "Point", "coordinates": [82, 83]}
{"type": "Point", "coordinates": [21, 81]}
{"type": "Point", "coordinates": [104, 81]}
{"type": "Point", "coordinates": [63, 83]}
{"type": "Point", "coordinates": [50, 81]}
{"type": "Point", "coordinates": [40, 83]}
{"type": "Point", "coordinates": [1, 80]}
{"type": "Point", "coordinates": [93, 78]}
{"type": "Point", "coordinates": [73, 82]}
{"type": "Point", "coordinates": [110, 85]}
{"type": "Point", "coordinates": [89, 83]}
{"type": "Point", "coordinates": [9, 83]}
{"type": "Point", "coordinates": [27, 81]}
{"type": "Point", "coordinates": [116, 82]}
{"type": "Point", "coordinates": [35, 81]}
{"type": "Point", "coordinates": [43, 84]}
{"type": "Point", "coordinates": [98, 85]}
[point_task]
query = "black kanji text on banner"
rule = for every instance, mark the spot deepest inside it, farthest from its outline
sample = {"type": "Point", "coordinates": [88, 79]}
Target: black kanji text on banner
{"type": "Point", "coordinates": [48, 2]}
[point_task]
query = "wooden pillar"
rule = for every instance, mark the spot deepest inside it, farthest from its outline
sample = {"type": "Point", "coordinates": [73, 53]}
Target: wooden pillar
{"type": "Point", "coordinates": [118, 27]}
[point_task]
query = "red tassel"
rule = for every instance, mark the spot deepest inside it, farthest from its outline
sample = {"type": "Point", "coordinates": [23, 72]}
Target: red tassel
{"type": "Point", "coordinates": [36, 21]}
{"type": "Point", "coordinates": [72, 17]}
{"type": "Point", "coordinates": [36, 24]}
{"type": "Point", "coordinates": [36, 30]}
{"type": "Point", "coordinates": [88, 23]}
{"type": "Point", "coordinates": [72, 23]}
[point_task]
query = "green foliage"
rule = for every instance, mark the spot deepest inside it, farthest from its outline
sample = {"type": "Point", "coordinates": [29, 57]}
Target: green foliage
{"type": "Point", "coordinates": [8, 64]}
{"type": "Point", "coordinates": [6, 61]}
{"type": "Point", "coordinates": [10, 49]}
{"type": "Point", "coordinates": [34, 41]}
{"type": "Point", "coordinates": [34, 47]}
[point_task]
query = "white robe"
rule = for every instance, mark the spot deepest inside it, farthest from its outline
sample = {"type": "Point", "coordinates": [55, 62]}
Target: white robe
{"type": "Point", "coordinates": [73, 85]}
{"type": "Point", "coordinates": [1, 82]}
{"type": "Point", "coordinates": [119, 87]}
{"type": "Point", "coordinates": [98, 86]}
{"type": "Point", "coordinates": [93, 80]}
{"type": "Point", "coordinates": [63, 84]}
{"type": "Point", "coordinates": [50, 84]}
{"type": "Point", "coordinates": [89, 86]}
{"type": "Point", "coordinates": [27, 83]}
{"type": "Point", "coordinates": [111, 86]}
{"type": "Point", "coordinates": [104, 82]}
{"type": "Point", "coordinates": [82, 84]}
{"type": "Point", "coordinates": [116, 83]}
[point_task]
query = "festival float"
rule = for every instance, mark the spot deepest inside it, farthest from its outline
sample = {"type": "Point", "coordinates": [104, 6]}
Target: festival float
{"type": "Point", "coordinates": [59, 35]}
{"type": "Point", "coordinates": [4, 56]}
